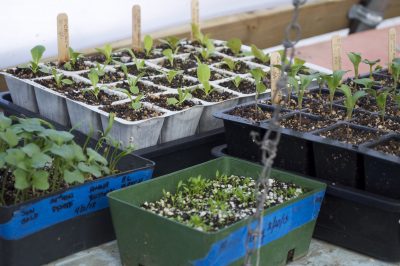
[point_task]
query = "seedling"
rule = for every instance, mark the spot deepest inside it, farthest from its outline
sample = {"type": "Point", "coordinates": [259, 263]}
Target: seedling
{"type": "Point", "coordinates": [173, 42]}
{"type": "Point", "coordinates": [395, 66]}
{"type": "Point", "coordinates": [366, 82]}
{"type": "Point", "coordinates": [148, 44]}
{"type": "Point", "coordinates": [99, 69]}
{"type": "Point", "coordinates": [230, 63]}
{"type": "Point", "coordinates": [169, 55]}
{"type": "Point", "coordinates": [199, 36]}
{"type": "Point", "coordinates": [107, 52]}
{"type": "Point", "coordinates": [355, 59]}
{"type": "Point", "coordinates": [305, 81]}
{"type": "Point", "coordinates": [36, 53]}
{"type": "Point", "coordinates": [333, 82]}
{"type": "Point", "coordinates": [320, 77]}
{"type": "Point", "coordinates": [234, 45]}
{"type": "Point", "coordinates": [259, 54]}
{"type": "Point", "coordinates": [350, 99]}
{"type": "Point", "coordinates": [237, 80]}
{"type": "Point", "coordinates": [59, 80]}
{"type": "Point", "coordinates": [371, 65]}
{"type": "Point", "coordinates": [136, 103]}
{"type": "Point", "coordinates": [381, 100]}
{"type": "Point", "coordinates": [183, 95]}
{"type": "Point", "coordinates": [73, 59]}
{"type": "Point", "coordinates": [203, 75]}
{"type": "Point", "coordinates": [171, 74]}
{"type": "Point", "coordinates": [207, 50]}
{"type": "Point", "coordinates": [258, 75]}
{"type": "Point", "coordinates": [132, 83]}
{"type": "Point", "coordinates": [94, 80]}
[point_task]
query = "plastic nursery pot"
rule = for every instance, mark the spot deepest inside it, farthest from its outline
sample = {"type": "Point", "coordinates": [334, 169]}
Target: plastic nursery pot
{"type": "Point", "coordinates": [22, 92]}
{"type": "Point", "coordinates": [338, 161]}
{"type": "Point", "coordinates": [145, 238]}
{"type": "Point", "coordinates": [382, 170]}
{"type": "Point", "coordinates": [65, 222]}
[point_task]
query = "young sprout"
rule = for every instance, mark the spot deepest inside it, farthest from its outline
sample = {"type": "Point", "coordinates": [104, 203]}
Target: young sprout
{"type": "Point", "coordinates": [58, 78]}
{"type": "Point", "coordinates": [172, 42]}
{"type": "Point", "coordinates": [36, 53]}
{"type": "Point", "coordinates": [207, 50]}
{"type": "Point", "coordinates": [366, 82]}
{"type": "Point", "coordinates": [355, 59]}
{"type": "Point", "coordinates": [395, 66]}
{"type": "Point", "coordinates": [234, 45]}
{"type": "Point", "coordinates": [297, 66]}
{"type": "Point", "coordinates": [199, 36]}
{"type": "Point", "coordinates": [237, 80]}
{"type": "Point", "coordinates": [258, 75]}
{"type": "Point", "coordinates": [169, 55]}
{"type": "Point", "coordinates": [132, 83]}
{"type": "Point", "coordinates": [333, 82]}
{"type": "Point", "coordinates": [230, 63]}
{"type": "Point", "coordinates": [350, 99]}
{"type": "Point", "coordinates": [99, 69]}
{"type": "Point", "coordinates": [203, 75]}
{"type": "Point", "coordinates": [73, 59]}
{"type": "Point", "coordinates": [171, 74]}
{"type": "Point", "coordinates": [371, 65]}
{"type": "Point", "coordinates": [305, 81]}
{"type": "Point", "coordinates": [183, 95]}
{"type": "Point", "coordinates": [381, 100]}
{"type": "Point", "coordinates": [259, 54]}
{"type": "Point", "coordinates": [148, 44]}
{"type": "Point", "coordinates": [107, 52]}
{"type": "Point", "coordinates": [320, 77]}
{"type": "Point", "coordinates": [136, 104]}
{"type": "Point", "coordinates": [94, 80]}
{"type": "Point", "coordinates": [293, 83]}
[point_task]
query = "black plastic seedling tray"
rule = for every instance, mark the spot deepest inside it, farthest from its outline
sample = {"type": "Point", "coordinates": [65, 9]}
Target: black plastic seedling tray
{"type": "Point", "coordinates": [356, 219]}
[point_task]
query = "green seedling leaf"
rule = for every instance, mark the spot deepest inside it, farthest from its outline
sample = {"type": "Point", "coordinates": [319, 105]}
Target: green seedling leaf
{"type": "Point", "coordinates": [371, 65]}
{"type": "Point", "coordinates": [355, 59]}
{"type": "Point", "coordinates": [5, 122]}
{"type": "Point", "coordinates": [40, 180]}
{"type": "Point", "coordinates": [169, 55]}
{"type": "Point", "coordinates": [229, 63]}
{"type": "Point", "coordinates": [90, 169]}
{"type": "Point", "coordinates": [31, 149]}
{"type": "Point", "coordinates": [172, 41]}
{"type": "Point", "coordinates": [148, 44]}
{"type": "Point", "coordinates": [381, 100]}
{"type": "Point", "coordinates": [237, 80]}
{"type": "Point", "coordinates": [350, 99]}
{"type": "Point", "coordinates": [14, 156]}
{"type": "Point", "coordinates": [234, 45]}
{"type": "Point", "coordinates": [10, 137]}
{"type": "Point", "coordinates": [171, 74]}
{"type": "Point", "coordinates": [73, 56]}
{"type": "Point", "coordinates": [172, 101]}
{"type": "Point", "coordinates": [259, 54]}
{"type": "Point", "coordinates": [58, 137]}
{"type": "Point", "coordinates": [21, 179]}
{"type": "Point", "coordinates": [107, 52]}
{"type": "Point", "coordinates": [65, 151]}
{"type": "Point", "coordinates": [366, 82]}
{"type": "Point", "coordinates": [203, 75]}
{"type": "Point", "coordinates": [40, 160]}
{"type": "Point", "coordinates": [75, 176]}
{"type": "Point", "coordinates": [93, 155]}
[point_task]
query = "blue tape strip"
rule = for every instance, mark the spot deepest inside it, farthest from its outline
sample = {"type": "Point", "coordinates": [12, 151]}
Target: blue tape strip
{"type": "Point", "coordinates": [276, 225]}
{"type": "Point", "coordinates": [85, 199]}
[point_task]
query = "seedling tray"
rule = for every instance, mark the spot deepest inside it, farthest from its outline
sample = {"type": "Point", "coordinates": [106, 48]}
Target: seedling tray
{"type": "Point", "coordinates": [286, 234]}
{"type": "Point", "coordinates": [355, 219]}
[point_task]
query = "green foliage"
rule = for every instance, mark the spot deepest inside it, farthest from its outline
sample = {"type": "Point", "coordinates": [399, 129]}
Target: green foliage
{"type": "Point", "coordinates": [106, 50]}
{"type": "Point", "coordinates": [234, 45]}
{"type": "Point", "coordinates": [351, 99]}
{"type": "Point", "coordinates": [94, 81]}
{"type": "Point", "coordinates": [258, 74]}
{"type": "Point", "coordinates": [259, 54]}
{"type": "Point", "coordinates": [171, 74]}
{"type": "Point", "coordinates": [366, 82]}
{"type": "Point", "coordinates": [355, 59]}
{"type": "Point", "coordinates": [207, 51]}
{"type": "Point", "coordinates": [172, 41]}
{"type": "Point", "coordinates": [371, 65]}
{"type": "Point", "coordinates": [136, 103]}
{"type": "Point", "coordinates": [183, 95]}
{"type": "Point", "coordinates": [237, 80]}
{"type": "Point", "coordinates": [169, 55]}
{"type": "Point", "coordinates": [204, 40]}
{"type": "Point", "coordinates": [148, 44]}
{"type": "Point", "coordinates": [381, 100]}
{"type": "Point", "coordinates": [59, 79]}
{"type": "Point", "coordinates": [230, 63]}
{"type": "Point", "coordinates": [132, 83]}
{"type": "Point", "coordinates": [36, 53]}
{"type": "Point", "coordinates": [395, 66]}
{"type": "Point", "coordinates": [333, 82]}
{"type": "Point", "coordinates": [203, 75]}
{"type": "Point", "coordinates": [305, 81]}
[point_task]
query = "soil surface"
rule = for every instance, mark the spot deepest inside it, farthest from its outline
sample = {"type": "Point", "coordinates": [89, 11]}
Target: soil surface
{"type": "Point", "coordinates": [245, 86]}
{"type": "Point", "coordinates": [181, 48]}
{"type": "Point", "coordinates": [179, 64]}
{"type": "Point", "coordinates": [51, 84]}
{"type": "Point", "coordinates": [229, 52]}
{"type": "Point", "coordinates": [125, 111]}
{"type": "Point", "coordinates": [177, 82]}
{"type": "Point", "coordinates": [148, 71]}
{"type": "Point", "coordinates": [374, 121]}
{"type": "Point", "coordinates": [323, 96]}
{"type": "Point", "coordinates": [143, 88]}
{"type": "Point", "coordinates": [251, 113]}
{"type": "Point", "coordinates": [161, 100]}
{"type": "Point", "coordinates": [214, 96]}
{"type": "Point", "coordinates": [87, 97]}
{"type": "Point", "coordinates": [79, 65]}
{"type": "Point", "coordinates": [138, 54]}
{"type": "Point", "coordinates": [210, 60]}
{"type": "Point", "coordinates": [367, 103]}
{"type": "Point", "coordinates": [108, 77]}
{"type": "Point", "coordinates": [292, 104]}
{"type": "Point", "coordinates": [214, 75]}
{"type": "Point", "coordinates": [240, 67]}
{"type": "Point", "coordinates": [351, 135]}
{"type": "Point", "coordinates": [323, 110]}
{"type": "Point", "coordinates": [303, 123]}
{"type": "Point", "coordinates": [26, 73]}
{"type": "Point", "coordinates": [97, 58]}
{"type": "Point", "coordinates": [391, 147]}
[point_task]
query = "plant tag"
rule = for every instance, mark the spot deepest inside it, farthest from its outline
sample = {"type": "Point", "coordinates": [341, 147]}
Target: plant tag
{"type": "Point", "coordinates": [195, 15]}
{"type": "Point", "coordinates": [336, 53]}
{"type": "Point", "coordinates": [62, 38]}
{"type": "Point", "coordinates": [275, 76]}
{"type": "Point", "coordinates": [392, 47]}
{"type": "Point", "coordinates": [136, 28]}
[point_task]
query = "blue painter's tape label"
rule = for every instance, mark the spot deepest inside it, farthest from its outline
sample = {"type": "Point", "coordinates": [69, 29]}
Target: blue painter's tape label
{"type": "Point", "coordinates": [85, 199]}
{"type": "Point", "coordinates": [275, 225]}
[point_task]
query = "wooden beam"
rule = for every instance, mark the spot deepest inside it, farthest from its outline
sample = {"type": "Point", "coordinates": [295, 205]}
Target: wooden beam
{"type": "Point", "coordinates": [265, 28]}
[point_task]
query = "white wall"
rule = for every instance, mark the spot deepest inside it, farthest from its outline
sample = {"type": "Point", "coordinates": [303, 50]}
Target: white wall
{"type": "Point", "coordinates": [26, 23]}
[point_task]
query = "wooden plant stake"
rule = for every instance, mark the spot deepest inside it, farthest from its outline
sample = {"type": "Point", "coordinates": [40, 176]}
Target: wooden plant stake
{"type": "Point", "coordinates": [275, 76]}
{"type": "Point", "coordinates": [392, 47]}
{"type": "Point", "coordinates": [136, 28]}
{"type": "Point", "coordinates": [336, 53]}
{"type": "Point", "coordinates": [62, 38]}
{"type": "Point", "coordinates": [195, 16]}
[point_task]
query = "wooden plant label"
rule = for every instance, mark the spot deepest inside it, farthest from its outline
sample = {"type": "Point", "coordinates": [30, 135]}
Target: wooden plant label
{"type": "Point", "coordinates": [392, 47]}
{"type": "Point", "coordinates": [136, 28]}
{"type": "Point", "coordinates": [62, 38]}
{"type": "Point", "coordinates": [275, 76]}
{"type": "Point", "coordinates": [336, 53]}
{"type": "Point", "coordinates": [195, 15]}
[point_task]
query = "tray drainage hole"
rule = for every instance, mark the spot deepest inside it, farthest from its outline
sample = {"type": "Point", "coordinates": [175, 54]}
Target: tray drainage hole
{"type": "Point", "coordinates": [290, 256]}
